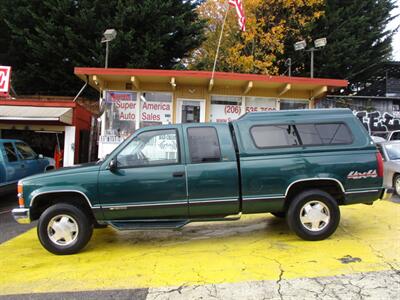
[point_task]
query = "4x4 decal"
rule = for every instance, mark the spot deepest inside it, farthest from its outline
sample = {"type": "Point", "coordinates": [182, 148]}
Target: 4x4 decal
{"type": "Point", "coordinates": [362, 175]}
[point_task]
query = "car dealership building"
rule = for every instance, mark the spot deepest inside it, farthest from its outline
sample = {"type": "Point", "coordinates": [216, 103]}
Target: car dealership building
{"type": "Point", "coordinates": [134, 98]}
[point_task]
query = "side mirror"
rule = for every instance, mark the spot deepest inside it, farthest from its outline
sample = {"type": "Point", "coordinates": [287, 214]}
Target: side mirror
{"type": "Point", "coordinates": [113, 164]}
{"type": "Point", "coordinates": [40, 156]}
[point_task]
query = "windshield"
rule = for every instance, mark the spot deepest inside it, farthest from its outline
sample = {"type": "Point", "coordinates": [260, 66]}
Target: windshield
{"type": "Point", "coordinates": [393, 151]}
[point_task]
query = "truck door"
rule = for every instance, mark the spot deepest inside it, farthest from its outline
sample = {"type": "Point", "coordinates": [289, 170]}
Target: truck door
{"type": "Point", "coordinates": [149, 179]}
{"type": "Point", "coordinates": [29, 158]}
{"type": "Point", "coordinates": [211, 170]}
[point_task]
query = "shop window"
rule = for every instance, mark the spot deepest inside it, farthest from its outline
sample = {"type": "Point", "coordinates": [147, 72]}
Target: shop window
{"type": "Point", "coordinates": [294, 104]}
{"type": "Point", "coordinates": [120, 115]}
{"type": "Point", "coordinates": [225, 108]}
{"type": "Point", "coordinates": [156, 108]}
{"type": "Point", "coordinates": [203, 145]}
{"type": "Point", "coordinates": [255, 104]}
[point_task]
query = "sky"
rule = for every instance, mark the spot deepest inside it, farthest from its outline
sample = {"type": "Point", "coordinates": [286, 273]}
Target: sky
{"type": "Point", "coordinates": [396, 37]}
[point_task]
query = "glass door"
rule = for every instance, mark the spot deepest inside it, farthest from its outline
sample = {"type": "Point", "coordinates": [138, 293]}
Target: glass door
{"type": "Point", "coordinates": [190, 111]}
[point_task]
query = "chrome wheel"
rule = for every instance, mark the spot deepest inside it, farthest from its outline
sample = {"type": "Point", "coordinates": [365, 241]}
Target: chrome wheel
{"type": "Point", "coordinates": [314, 215]}
{"type": "Point", "coordinates": [63, 230]}
{"type": "Point", "coordinates": [397, 185]}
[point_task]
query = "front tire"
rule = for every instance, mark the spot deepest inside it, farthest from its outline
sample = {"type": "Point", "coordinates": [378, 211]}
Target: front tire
{"type": "Point", "coordinates": [313, 215]}
{"type": "Point", "coordinates": [64, 229]}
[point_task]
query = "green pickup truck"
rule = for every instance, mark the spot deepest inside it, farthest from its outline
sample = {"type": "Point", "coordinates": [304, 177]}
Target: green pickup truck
{"type": "Point", "coordinates": [298, 164]}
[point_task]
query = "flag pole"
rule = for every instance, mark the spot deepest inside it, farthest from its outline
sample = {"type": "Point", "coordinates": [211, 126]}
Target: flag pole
{"type": "Point", "coordinates": [219, 43]}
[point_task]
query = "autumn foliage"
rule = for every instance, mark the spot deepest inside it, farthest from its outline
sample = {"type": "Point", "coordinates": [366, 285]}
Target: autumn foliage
{"type": "Point", "coordinates": [270, 24]}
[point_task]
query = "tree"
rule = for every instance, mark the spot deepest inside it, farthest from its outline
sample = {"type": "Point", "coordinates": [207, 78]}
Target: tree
{"type": "Point", "coordinates": [48, 38]}
{"type": "Point", "coordinates": [357, 40]}
{"type": "Point", "coordinates": [261, 48]}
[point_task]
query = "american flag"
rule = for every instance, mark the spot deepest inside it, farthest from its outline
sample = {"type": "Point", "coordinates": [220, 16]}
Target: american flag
{"type": "Point", "coordinates": [238, 4]}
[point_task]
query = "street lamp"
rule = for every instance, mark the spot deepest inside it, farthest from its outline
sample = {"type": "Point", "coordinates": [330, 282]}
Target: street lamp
{"type": "Point", "coordinates": [318, 45]}
{"type": "Point", "coordinates": [108, 36]}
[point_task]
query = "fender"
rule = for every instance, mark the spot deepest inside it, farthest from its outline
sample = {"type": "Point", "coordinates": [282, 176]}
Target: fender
{"type": "Point", "coordinates": [62, 189]}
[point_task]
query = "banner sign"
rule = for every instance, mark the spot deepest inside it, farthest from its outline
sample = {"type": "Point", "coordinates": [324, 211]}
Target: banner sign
{"type": "Point", "coordinates": [123, 108]}
{"type": "Point", "coordinates": [226, 113]}
{"type": "Point", "coordinates": [5, 75]}
{"type": "Point", "coordinates": [260, 104]}
{"type": "Point", "coordinates": [156, 112]}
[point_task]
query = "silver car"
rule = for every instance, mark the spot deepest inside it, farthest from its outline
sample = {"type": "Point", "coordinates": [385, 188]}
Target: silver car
{"type": "Point", "coordinates": [391, 157]}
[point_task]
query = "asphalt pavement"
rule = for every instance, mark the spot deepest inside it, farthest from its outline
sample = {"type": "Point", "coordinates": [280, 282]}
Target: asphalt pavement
{"type": "Point", "coordinates": [8, 227]}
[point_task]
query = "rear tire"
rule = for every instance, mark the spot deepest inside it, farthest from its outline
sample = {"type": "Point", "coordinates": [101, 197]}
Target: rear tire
{"type": "Point", "coordinates": [313, 215]}
{"type": "Point", "coordinates": [396, 184]}
{"type": "Point", "coordinates": [64, 229]}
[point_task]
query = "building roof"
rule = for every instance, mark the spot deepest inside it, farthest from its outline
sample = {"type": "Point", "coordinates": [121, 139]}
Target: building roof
{"type": "Point", "coordinates": [139, 78]}
{"type": "Point", "coordinates": [32, 113]}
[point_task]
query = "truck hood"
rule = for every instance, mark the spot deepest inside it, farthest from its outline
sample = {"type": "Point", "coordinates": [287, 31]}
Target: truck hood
{"type": "Point", "coordinates": [82, 168]}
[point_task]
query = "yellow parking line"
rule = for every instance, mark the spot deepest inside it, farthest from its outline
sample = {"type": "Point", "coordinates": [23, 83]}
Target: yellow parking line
{"type": "Point", "coordinates": [259, 247]}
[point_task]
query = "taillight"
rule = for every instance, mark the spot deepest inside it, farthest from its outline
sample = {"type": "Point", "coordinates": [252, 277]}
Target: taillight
{"type": "Point", "coordinates": [379, 160]}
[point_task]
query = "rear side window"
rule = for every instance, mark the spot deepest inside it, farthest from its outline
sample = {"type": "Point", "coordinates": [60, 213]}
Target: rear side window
{"type": "Point", "coordinates": [203, 145]}
{"type": "Point", "coordinates": [324, 134]}
{"type": "Point", "coordinates": [10, 152]}
{"type": "Point", "coordinates": [395, 136]}
{"type": "Point", "coordinates": [266, 136]}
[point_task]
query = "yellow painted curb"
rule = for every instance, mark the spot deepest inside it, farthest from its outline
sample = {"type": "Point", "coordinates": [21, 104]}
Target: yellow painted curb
{"type": "Point", "coordinates": [258, 247]}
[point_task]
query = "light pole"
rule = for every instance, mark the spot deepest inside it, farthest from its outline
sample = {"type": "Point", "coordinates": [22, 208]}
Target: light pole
{"type": "Point", "coordinates": [318, 45]}
{"type": "Point", "coordinates": [108, 36]}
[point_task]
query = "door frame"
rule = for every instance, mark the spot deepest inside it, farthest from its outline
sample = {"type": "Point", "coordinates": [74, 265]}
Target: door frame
{"type": "Point", "coordinates": [179, 103]}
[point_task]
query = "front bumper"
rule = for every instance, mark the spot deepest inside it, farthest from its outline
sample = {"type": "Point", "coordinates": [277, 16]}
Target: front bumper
{"type": "Point", "coordinates": [387, 194]}
{"type": "Point", "coordinates": [21, 215]}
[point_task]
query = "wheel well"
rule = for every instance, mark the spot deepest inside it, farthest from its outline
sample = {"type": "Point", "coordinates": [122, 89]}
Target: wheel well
{"type": "Point", "coordinates": [394, 176]}
{"type": "Point", "coordinates": [330, 186]}
{"type": "Point", "coordinates": [42, 202]}
{"type": "Point", "coordinates": [48, 168]}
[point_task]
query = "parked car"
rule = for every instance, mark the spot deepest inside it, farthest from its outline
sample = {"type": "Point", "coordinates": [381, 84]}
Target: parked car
{"type": "Point", "coordinates": [298, 164]}
{"type": "Point", "coordinates": [388, 135]}
{"type": "Point", "coordinates": [377, 139]}
{"type": "Point", "coordinates": [18, 160]}
{"type": "Point", "coordinates": [391, 157]}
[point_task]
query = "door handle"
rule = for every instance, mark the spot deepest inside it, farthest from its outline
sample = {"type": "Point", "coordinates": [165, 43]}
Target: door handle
{"type": "Point", "coordinates": [178, 174]}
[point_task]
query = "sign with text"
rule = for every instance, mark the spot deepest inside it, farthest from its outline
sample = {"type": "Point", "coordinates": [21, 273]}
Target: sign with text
{"type": "Point", "coordinates": [224, 113]}
{"type": "Point", "coordinates": [254, 104]}
{"type": "Point", "coordinates": [230, 112]}
{"type": "Point", "coordinates": [5, 75]}
{"type": "Point", "coordinates": [123, 104]}
{"type": "Point", "coordinates": [156, 112]}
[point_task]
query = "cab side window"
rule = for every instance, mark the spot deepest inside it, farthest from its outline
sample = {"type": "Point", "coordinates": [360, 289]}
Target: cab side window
{"type": "Point", "coordinates": [158, 147]}
{"type": "Point", "coordinates": [10, 152]}
{"type": "Point", "coordinates": [203, 145]}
